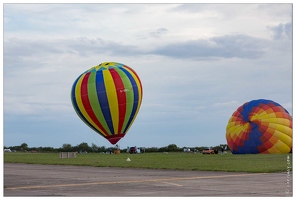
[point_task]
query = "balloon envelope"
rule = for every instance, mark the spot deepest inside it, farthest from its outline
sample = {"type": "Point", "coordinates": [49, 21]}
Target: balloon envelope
{"type": "Point", "coordinates": [260, 126]}
{"type": "Point", "coordinates": [107, 98]}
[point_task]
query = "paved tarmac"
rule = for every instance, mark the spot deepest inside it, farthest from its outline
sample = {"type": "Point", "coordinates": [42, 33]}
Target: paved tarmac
{"type": "Point", "coordinates": [82, 181]}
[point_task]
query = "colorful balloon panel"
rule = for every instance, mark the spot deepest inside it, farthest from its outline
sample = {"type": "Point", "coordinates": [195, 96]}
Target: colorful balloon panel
{"type": "Point", "coordinates": [260, 126]}
{"type": "Point", "coordinates": [107, 98]}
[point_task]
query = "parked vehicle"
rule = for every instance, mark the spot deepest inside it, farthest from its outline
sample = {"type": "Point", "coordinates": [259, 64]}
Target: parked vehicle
{"type": "Point", "coordinates": [208, 151]}
{"type": "Point", "coordinates": [132, 150]}
{"type": "Point", "coordinates": [135, 150]}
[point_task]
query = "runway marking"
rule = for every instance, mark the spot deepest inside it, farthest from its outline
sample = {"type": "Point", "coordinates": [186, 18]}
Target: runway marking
{"type": "Point", "coordinates": [175, 184]}
{"type": "Point", "coordinates": [127, 181]}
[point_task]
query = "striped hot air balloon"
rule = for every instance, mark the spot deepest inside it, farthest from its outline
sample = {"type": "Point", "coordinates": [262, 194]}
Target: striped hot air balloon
{"type": "Point", "coordinates": [107, 98]}
{"type": "Point", "coordinates": [260, 126]}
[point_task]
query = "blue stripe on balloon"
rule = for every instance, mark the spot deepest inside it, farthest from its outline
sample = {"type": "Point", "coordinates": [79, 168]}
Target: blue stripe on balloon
{"type": "Point", "coordinates": [136, 97]}
{"type": "Point", "coordinates": [103, 100]}
{"type": "Point", "coordinates": [247, 108]}
{"type": "Point", "coordinates": [250, 146]}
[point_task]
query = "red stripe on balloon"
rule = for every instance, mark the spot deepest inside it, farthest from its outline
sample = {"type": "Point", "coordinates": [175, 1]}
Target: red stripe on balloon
{"type": "Point", "coordinates": [121, 97]}
{"type": "Point", "coordinates": [113, 139]}
{"type": "Point", "coordinates": [86, 103]}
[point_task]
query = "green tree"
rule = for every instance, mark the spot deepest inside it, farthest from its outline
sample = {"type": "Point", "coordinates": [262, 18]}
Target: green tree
{"type": "Point", "coordinates": [102, 149]}
{"type": "Point", "coordinates": [67, 147]}
{"type": "Point", "coordinates": [94, 147]}
{"type": "Point", "coordinates": [172, 147]}
{"type": "Point", "coordinates": [24, 146]}
{"type": "Point", "coordinates": [84, 147]}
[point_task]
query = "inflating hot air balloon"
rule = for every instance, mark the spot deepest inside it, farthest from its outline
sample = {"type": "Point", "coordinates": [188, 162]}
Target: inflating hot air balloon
{"type": "Point", "coordinates": [107, 98]}
{"type": "Point", "coordinates": [260, 126]}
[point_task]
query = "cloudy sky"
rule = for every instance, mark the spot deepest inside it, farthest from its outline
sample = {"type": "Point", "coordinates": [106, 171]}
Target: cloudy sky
{"type": "Point", "coordinates": [197, 62]}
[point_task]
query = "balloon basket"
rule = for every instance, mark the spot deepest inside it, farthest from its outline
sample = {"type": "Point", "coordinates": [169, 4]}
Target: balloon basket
{"type": "Point", "coordinates": [117, 151]}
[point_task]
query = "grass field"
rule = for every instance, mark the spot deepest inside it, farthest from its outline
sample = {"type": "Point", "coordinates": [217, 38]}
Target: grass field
{"type": "Point", "coordinates": [178, 161]}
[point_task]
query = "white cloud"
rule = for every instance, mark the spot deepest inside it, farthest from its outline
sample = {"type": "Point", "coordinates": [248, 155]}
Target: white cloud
{"type": "Point", "coordinates": [226, 104]}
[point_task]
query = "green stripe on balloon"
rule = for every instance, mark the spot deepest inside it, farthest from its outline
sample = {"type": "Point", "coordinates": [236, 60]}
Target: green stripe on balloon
{"type": "Point", "coordinates": [94, 101]}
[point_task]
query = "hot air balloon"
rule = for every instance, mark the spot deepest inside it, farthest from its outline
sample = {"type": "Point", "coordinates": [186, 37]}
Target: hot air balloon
{"type": "Point", "coordinates": [260, 126]}
{"type": "Point", "coordinates": [107, 98]}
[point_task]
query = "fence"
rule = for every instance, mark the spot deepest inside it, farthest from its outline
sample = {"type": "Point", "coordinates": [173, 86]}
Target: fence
{"type": "Point", "coordinates": [68, 154]}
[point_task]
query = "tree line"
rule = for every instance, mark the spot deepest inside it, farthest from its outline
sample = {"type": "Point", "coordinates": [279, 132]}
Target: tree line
{"type": "Point", "coordinates": [93, 148]}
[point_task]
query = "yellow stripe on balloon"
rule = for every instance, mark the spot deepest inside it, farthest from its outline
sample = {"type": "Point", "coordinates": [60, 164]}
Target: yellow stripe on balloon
{"type": "Point", "coordinates": [280, 147]}
{"type": "Point", "coordinates": [112, 98]}
{"type": "Point", "coordinates": [139, 95]}
{"type": "Point", "coordinates": [273, 149]}
{"type": "Point", "coordinates": [261, 115]}
{"type": "Point", "coordinates": [279, 124]}
{"type": "Point", "coordinates": [237, 129]}
{"type": "Point", "coordinates": [80, 104]}
{"type": "Point", "coordinates": [282, 121]}
{"type": "Point", "coordinates": [282, 137]}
